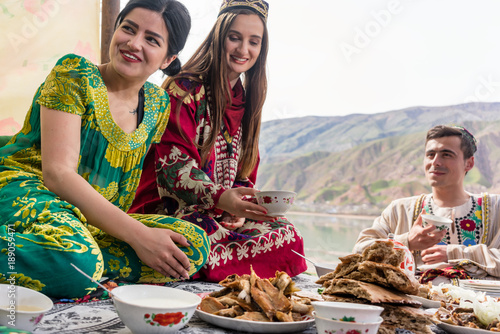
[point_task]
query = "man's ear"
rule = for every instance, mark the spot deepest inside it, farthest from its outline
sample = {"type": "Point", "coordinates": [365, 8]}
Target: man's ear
{"type": "Point", "coordinates": [469, 163]}
{"type": "Point", "coordinates": [167, 62]}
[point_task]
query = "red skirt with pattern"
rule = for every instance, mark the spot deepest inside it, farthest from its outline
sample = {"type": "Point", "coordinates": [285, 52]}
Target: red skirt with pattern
{"type": "Point", "coordinates": [265, 245]}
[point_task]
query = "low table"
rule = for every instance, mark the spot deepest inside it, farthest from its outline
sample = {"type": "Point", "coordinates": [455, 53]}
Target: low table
{"type": "Point", "coordinates": [101, 317]}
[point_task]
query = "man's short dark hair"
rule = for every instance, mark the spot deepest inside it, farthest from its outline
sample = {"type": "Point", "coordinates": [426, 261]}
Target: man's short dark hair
{"type": "Point", "coordinates": [468, 142]}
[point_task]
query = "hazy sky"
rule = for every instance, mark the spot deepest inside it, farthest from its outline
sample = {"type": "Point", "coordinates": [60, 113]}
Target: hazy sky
{"type": "Point", "coordinates": [338, 57]}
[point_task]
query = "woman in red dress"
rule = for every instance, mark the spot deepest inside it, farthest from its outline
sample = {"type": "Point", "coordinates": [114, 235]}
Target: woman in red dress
{"type": "Point", "coordinates": [205, 167]}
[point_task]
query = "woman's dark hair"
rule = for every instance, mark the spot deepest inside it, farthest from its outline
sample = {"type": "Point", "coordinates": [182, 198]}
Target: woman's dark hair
{"type": "Point", "coordinates": [177, 20]}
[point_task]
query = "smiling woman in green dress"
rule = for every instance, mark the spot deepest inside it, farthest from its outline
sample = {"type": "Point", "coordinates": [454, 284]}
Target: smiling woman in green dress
{"type": "Point", "coordinates": [90, 127]}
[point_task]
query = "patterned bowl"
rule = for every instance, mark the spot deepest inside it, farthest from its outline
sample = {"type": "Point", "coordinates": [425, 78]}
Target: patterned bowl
{"type": "Point", "coordinates": [408, 264]}
{"type": "Point", "coordinates": [328, 326]}
{"type": "Point", "coordinates": [441, 223]}
{"type": "Point", "coordinates": [347, 312]}
{"type": "Point", "coordinates": [22, 308]}
{"type": "Point", "coordinates": [277, 202]}
{"type": "Point", "coordinates": [153, 309]}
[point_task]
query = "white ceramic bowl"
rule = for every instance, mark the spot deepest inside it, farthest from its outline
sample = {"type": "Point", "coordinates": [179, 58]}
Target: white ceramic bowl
{"type": "Point", "coordinates": [152, 309]}
{"type": "Point", "coordinates": [324, 268]}
{"type": "Point", "coordinates": [22, 308]}
{"type": "Point", "coordinates": [324, 325]}
{"type": "Point", "coordinates": [345, 312]}
{"type": "Point", "coordinates": [440, 223]}
{"type": "Point", "coordinates": [277, 202]}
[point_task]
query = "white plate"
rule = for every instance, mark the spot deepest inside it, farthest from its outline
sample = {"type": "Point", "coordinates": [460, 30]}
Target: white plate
{"type": "Point", "coordinates": [472, 287]}
{"type": "Point", "coordinates": [480, 289]}
{"type": "Point", "coordinates": [480, 283]}
{"type": "Point", "coordinates": [484, 290]}
{"type": "Point", "coordinates": [427, 303]}
{"type": "Point", "coordinates": [476, 287]}
{"type": "Point", "coordinates": [462, 330]}
{"type": "Point", "coordinates": [239, 325]}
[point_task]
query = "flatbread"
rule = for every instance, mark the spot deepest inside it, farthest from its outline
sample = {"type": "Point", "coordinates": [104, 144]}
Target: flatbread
{"type": "Point", "coordinates": [367, 291]}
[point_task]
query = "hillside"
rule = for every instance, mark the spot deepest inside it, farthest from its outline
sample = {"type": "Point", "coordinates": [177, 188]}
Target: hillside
{"type": "Point", "coordinates": [359, 163]}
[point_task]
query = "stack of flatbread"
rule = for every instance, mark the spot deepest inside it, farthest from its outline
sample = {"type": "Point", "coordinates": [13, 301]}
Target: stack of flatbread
{"type": "Point", "coordinates": [375, 277]}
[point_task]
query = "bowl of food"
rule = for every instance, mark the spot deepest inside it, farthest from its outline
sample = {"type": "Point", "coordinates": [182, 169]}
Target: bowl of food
{"type": "Point", "coordinates": [441, 223]}
{"type": "Point", "coordinates": [325, 325]}
{"type": "Point", "coordinates": [347, 312]}
{"type": "Point", "coordinates": [153, 309]}
{"type": "Point", "coordinates": [22, 308]}
{"type": "Point", "coordinates": [276, 202]}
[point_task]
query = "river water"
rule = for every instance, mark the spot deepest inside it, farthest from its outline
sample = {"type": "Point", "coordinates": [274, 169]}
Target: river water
{"type": "Point", "coordinates": [328, 237]}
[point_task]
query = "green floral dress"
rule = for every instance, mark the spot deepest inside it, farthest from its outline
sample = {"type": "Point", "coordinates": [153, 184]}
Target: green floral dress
{"type": "Point", "coordinates": [40, 234]}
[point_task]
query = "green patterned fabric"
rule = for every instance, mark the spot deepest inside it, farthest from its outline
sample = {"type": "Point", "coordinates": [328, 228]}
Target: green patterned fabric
{"type": "Point", "coordinates": [4, 140]}
{"type": "Point", "coordinates": [40, 234]}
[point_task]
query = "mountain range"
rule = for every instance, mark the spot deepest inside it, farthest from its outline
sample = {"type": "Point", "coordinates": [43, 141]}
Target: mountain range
{"type": "Point", "coordinates": [359, 163]}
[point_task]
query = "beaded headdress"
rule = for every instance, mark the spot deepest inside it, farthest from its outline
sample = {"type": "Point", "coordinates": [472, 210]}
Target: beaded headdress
{"type": "Point", "coordinates": [259, 6]}
{"type": "Point", "coordinates": [467, 135]}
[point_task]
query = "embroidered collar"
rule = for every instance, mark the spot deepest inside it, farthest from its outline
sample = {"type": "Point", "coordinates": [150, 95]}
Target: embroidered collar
{"type": "Point", "coordinates": [471, 203]}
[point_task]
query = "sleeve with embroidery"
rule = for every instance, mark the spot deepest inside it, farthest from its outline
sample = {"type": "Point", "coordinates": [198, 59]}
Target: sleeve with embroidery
{"type": "Point", "coordinates": [67, 86]}
{"type": "Point", "coordinates": [178, 159]}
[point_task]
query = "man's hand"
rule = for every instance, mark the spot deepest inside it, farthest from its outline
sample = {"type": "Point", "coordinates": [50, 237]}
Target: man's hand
{"type": "Point", "coordinates": [420, 238]}
{"type": "Point", "coordinates": [435, 254]}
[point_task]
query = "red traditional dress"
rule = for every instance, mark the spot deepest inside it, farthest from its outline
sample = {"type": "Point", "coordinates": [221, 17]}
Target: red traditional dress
{"type": "Point", "coordinates": [174, 182]}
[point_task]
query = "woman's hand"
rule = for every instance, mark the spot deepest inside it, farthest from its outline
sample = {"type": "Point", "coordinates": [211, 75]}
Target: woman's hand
{"type": "Point", "coordinates": [233, 201]}
{"type": "Point", "coordinates": [157, 248]}
{"type": "Point", "coordinates": [231, 222]}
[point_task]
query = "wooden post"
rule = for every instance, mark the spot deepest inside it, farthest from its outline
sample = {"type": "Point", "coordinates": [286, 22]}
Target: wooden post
{"type": "Point", "coordinates": [109, 12]}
